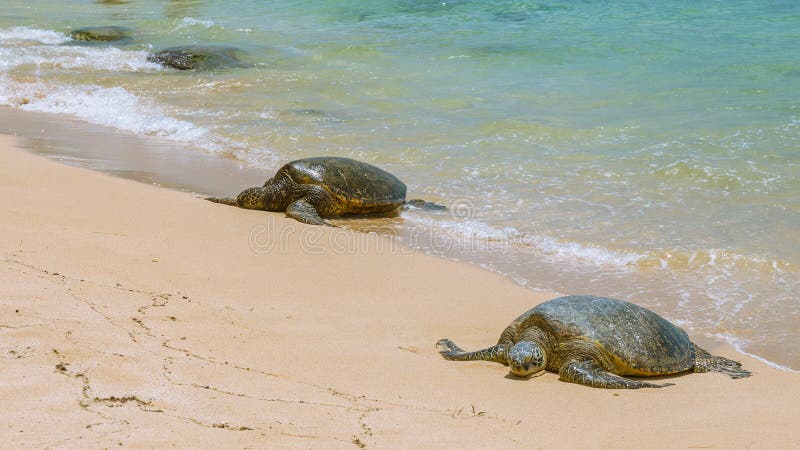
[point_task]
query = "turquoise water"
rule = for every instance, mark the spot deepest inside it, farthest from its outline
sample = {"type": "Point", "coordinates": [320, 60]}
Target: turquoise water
{"type": "Point", "coordinates": [644, 150]}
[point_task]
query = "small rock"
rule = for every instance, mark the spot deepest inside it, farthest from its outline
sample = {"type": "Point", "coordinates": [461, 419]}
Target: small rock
{"type": "Point", "coordinates": [196, 57]}
{"type": "Point", "coordinates": [100, 34]}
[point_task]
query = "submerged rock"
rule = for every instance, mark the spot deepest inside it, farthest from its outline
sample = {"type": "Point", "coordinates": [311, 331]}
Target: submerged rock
{"type": "Point", "coordinates": [195, 57]}
{"type": "Point", "coordinates": [100, 34]}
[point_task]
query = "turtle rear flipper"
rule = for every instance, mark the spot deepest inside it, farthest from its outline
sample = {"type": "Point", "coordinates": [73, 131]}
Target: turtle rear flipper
{"type": "Point", "coordinates": [706, 362]}
{"type": "Point", "coordinates": [449, 350]}
{"type": "Point", "coordinates": [223, 200]}
{"type": "Point", "coordinates": [588, 373]}
{"type": "Point", "coordinates": [418, 203]}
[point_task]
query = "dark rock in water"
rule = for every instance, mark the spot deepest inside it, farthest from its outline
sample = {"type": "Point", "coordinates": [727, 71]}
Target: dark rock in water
{"type": "Point", "coordinates": [196, 57]}
{"type": "Point", "coordinates": [308, 112]}
{"type": "Point", "coordinates": [316, 115]}
{"type": "Point", "coordinates": [100, 34]}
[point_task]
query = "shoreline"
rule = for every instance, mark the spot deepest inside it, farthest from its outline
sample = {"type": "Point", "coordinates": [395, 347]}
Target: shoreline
{"type": "Point", "coordinates": [163, 163]}
{"type": "Point", "coordinates": [124, 154]}
{"type": "Point", "coordinates": [665, 180]}
{"type": "Point", "coordinates": [156, 161]}
{"type": "Point", "coordinates": [143, 316]}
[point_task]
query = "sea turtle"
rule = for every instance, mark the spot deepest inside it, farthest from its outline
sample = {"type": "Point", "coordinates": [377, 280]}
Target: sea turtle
{"type": "Point", "coordinates": [327, 186]}
{"type": "Point", "coordinates": [100, 34]}
{"type": "Point", "coordinates": [595, 341]}
{"type": "Point", "coordinates": [197, 57]}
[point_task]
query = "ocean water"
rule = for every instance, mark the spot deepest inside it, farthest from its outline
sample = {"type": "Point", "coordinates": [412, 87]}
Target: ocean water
{"type": "Point", "coordinates": [643, 150]}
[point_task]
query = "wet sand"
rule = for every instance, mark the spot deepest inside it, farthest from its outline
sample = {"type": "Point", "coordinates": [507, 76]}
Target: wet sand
{"type": "Point", "coordinates": [150, 159]}
{"type": "Point", "coordinates": [142, 316]}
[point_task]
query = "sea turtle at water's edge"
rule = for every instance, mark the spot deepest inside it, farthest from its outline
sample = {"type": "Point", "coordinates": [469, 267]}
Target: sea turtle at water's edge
{"type": "Point", "coordinates": [311, 189]}
{"type": "Point", "coordinates": [596, 341]}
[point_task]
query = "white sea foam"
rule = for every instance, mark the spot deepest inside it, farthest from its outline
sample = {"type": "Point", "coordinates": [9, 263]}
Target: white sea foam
{"type": "Point", "coordinates": [738, 344]}
{"type": "Point", "coordinates": [21, 46]}
{"type": "Point", "coordinates": [722, 261]}
{"type": "Point", "coordinates": [21, 49]}
{"type": "Point", "coordinates": [111, 106]}
{"type": "Point", "coordinates": [26, 34]}
{"type": "Point", "coordinates": [467, 235]}
{"type": "Point", "coordinates": [121, 109]}
{"type": "Point", "coordinates": [114, 107]}
{"type": "Point", "coordinates": [187, 22]}
{"type": "Point", "coordinates": [75, 57]}
{"type": "Point", "coordinates": [259, 157]}
{"type": "Point", "coordinates": [572, 250]}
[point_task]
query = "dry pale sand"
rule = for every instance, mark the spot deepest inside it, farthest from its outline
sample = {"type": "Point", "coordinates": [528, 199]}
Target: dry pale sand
{"type": "Point", "coordinates": [138, 316]}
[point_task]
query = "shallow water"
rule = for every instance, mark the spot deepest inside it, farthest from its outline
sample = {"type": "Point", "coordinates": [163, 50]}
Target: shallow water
{"type": "Point", "coordinates": [646, 151]}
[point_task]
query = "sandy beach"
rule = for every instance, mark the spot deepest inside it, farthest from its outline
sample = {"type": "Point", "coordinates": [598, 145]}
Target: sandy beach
{"type": "Point", "coordinates": [137, 316]}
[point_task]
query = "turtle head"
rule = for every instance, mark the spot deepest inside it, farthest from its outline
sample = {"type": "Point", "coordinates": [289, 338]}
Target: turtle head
{"type": "Point", "coordinates": [270, 197]}
{"type": "Point", "coordinates": [252, 198]}
{"type": "Point", "coordinates": [526, 358]}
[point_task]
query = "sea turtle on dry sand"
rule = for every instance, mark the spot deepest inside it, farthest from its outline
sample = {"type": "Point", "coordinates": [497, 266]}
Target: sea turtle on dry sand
{"type": "Point", "coordinates": [100, 34]}
{"type": "Point", "coordinates": [595, 341]}
{"type": "Point", "coordinates": [197, 57]}
{"type": "Point", "coordinates": [313, 188]}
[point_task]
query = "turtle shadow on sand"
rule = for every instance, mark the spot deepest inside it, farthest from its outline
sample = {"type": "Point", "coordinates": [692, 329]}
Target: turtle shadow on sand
{"type": "Point", "coordinates": [511, 376]}
{"type": "Point", "coordinates": [650, 379]}
{"type": "Point", "coordinates": [198, 57]}
{"type": "Point", "coordinates": [597, 342]}
{"type": "Point", "coordinates": [313, 189]}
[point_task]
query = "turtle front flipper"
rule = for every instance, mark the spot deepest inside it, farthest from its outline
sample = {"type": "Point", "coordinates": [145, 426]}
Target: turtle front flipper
{"type": "Point", "coordinates": [305, 212]}
{"type": "Point", "coordinates": [449, 350]}
{"type": "Point", "coordinates": [223, 200]}
{"type": "Point", "coordinates": [588, 373]}
{"type": "Point", "coordinates": [706, 362]}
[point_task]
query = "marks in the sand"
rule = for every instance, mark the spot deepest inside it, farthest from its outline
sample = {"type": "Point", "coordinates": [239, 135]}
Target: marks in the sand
{"type": "Point", "coordinates": [366, 432]}
{"type": "Point", "coordinates": [140, 322]}
{"type": "Point", "coordinates": [224, 425]}
{"type": "Point", "coordinates": [150, 339]}
{"type": "Point", "coordinates": [66, 283]}
{"type": "Point", "coordinates": [12, 346]}
{"type": "Point", "coordinates": [159, 301]}
{"type": "Point", "coordinates": [168, 374]}
{"type": "Point", "coordinates": [88, 400]}
{"type": "Point", "coordinates": [467, 413]}
{"type": "Point", "coordinates": [409, 348]}
{"type": "Point", "coordinates": [154, 362]}
{"type": "Point", "coordinates": [63, 368]}
{"type": "Point", "coordinates": [307, 396]}
{"type": "Point", "coordinates": [15, 352]}
{"type": "Point", "coordinates": [78, 332]}
{"type": "Point", "coordinates": [209, 359]}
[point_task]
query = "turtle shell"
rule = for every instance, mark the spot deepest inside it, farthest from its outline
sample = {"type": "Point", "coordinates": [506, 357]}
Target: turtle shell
{"type": "Point", "coordinates": [359, 188]}
{"type": "Point", "coordinates": [636, 340]}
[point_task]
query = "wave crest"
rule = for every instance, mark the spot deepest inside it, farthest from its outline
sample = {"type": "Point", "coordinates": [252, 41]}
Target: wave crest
{"type": "Point", "coordinates": [27, 34]}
